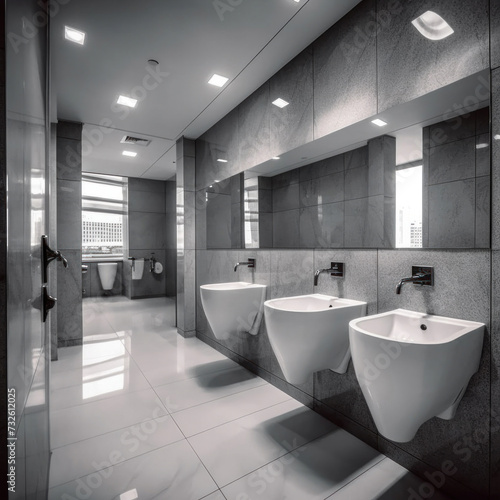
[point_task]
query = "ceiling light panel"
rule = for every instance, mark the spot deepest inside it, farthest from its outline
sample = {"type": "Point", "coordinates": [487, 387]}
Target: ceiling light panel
{"type": "Point", "coordinates": [218, 80]}
{"type": "Point", "coordinates": [379, 122]}
{"type": "Point", "coordinates": [127, 101]}
{"type": "Point", "coordinates": [432, 26]}
{"type": "Point", "coordinates": [132, 154]}
{"type": "Point", "coordinates": [281, 103]}
{"type": "Point", "coordinates": [74, 35]}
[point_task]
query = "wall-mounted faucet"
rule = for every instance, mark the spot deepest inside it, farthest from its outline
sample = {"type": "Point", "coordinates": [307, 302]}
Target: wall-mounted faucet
{"type": "Point", "coordinates": [420, 275]}
{"type": "Point", "coordinates": [152, 262]}
{"type": "Point", "coordinates": [336, 270]}
{"type": "Point", "coordinates": [250, 263]}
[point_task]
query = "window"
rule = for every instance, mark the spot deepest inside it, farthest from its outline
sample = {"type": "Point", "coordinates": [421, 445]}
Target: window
{"type": "Point", "coordinates": [104, 205]}
{"type": "Point", "coordinates": [409, 207]}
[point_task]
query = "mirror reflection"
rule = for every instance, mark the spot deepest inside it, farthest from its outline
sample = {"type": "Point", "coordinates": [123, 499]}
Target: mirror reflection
{"type": "Point", "coordinates": [423, 186]}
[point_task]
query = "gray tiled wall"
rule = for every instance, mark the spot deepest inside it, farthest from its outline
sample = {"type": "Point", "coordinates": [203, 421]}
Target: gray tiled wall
{"type": "Point", "coordinates": [69, 233]}
{"type": "Point", "coordinates": [151, 230]}
{"type": "Point", "coordinates": [456, 176]}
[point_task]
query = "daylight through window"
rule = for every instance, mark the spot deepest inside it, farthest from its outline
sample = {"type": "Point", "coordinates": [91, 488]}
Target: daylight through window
{"type": "Point", "coordinates": [104, 206]}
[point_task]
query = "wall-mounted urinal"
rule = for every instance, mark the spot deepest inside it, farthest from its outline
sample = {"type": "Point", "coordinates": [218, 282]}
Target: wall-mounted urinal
{"type": "Point", "coordinates": [232, 308]}
{"type": "Point", "coordinates": [309, 333]}
{"type": "Point", "coordinates": [107, 274]}
{"type": "Point", "coordinates": [413, 366]}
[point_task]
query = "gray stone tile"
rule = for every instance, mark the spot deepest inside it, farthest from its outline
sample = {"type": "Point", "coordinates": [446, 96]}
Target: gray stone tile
{"type": "Point", "coordinates": [453, 161]}
{"type": "Point", "coordinates": [356, 183]}
{"type": "Point", "coordinates": [292, 126]}
{"type": "Point", "coordinates": [483, 207]}
{"type": "Point", "coordinates": [69, 214]}
{"type": "Point", "coordinates": [254, 129]}
{"type": "Point", "coordinates": [136, 185]}
{"type": "Point", "coordinates": [227, 143]}
{"type": "Point", "coordinates": [147, 201]}
{"type": "Point", "coordinates": [495, 167]}
{"type": "Point", "coordinates": [265, 200]}
{"type": "Point", "coordinates": [322, 190]}
{"type": "Point", "coordinates": [69, 159]}
{"type": "Point", "coordinates": [382, 169]}
{"type": "Point", "coordinates": [409, 66]}
{"type": "Point", "coordinates": [356, 158]}
{"type": "Point", "coordinates": [360, 281]}
{"type": "Point", "coordinates": [218, 222]}
{"type": "Point", "coordinates": [456, 129]}
{"type": "Point", "coordinates": [495, 33]}
{"type": "Point", "coordinates": [345, 72]}
{"type": "Point", "coordinates": [483, 164]}
{"type": "Point", "coordinates": [146, 230]}
{"type": "Point", "coordinates": [265, 230]}
{"type": "Point", "coordinates": [292, 273]}
{"type": "Point", "coordinates": [452, 214]}
{"type": "Point", "coordinates": [286, 229]}
{"type": "Point", "coordinates": [185, 148]}
{"type": "Point", "coordinates": [322, 226]}
{"type": "Point", "coordinates": [328, 166]}
{"type": "Point", "coordinates": [483, 120]}
{"type": "Point", "coordinates": [369, 222]}
{"type": "Point", "coordinates": [69, 130]}
{"type": "Point", "coordinates": [69, 303]}
{"type": "Point", "coordinates": [495, 379]}
{"type": "Point", "coordinates": [286, 198]}
{"type": "Point", "coordinates": [461, 282]}
{"type": "Point", "coordinates": [286, 179]}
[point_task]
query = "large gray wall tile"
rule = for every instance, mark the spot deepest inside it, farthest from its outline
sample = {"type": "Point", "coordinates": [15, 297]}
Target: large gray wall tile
{"type": "Point", "coordinates": [218, 225]}
{"type": "Point", "coordinates": [69, 159]}
{"type": "Point", "coordinates": [146, 230]}
{"type": "Point", "coordinates": [286, 198]}
{"type": "Point", "coordinates": [254, 129]}
{"type": "Point", "coordinates": [454, 204]}
{"type": "Point", "coordinates": [322, 190]}
{"type": "Point", "coordinates": [286, 229]}
{"type": "Point", "coordinates": [345, 72]}
{"type": "Point", "coordinates": [292, 126]}
{"type": "Point", "coordinates": [328, 166]}
{"type": "Point", "coordinates": [322, 226]}
{"type": "Point", "coordinates": [292, 272]}
{"type": "Point", "coordinates": [452, 161]}
{"type": "Point", "coordinates": [409, 65]}
{"type": "Point", "coordinates": [147, 201]}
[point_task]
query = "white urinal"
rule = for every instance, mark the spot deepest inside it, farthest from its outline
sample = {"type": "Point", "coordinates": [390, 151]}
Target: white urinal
{"type": "Point", "coordinates": [107, 273]}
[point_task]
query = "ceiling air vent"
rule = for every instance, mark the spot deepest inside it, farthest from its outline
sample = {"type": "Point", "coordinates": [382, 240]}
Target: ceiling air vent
{"type": "Point", "coordinates": [137, 141]}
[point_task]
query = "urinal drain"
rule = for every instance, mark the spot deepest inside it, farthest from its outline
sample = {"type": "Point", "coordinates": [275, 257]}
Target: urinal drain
{"type": "Point", "coordinates": [423, 327]}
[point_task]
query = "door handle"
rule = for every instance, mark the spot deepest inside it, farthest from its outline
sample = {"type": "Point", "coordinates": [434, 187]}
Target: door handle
{"type": "Point", "coordinates": [48, 255]}
{"type": "Point", "coordinates": [48, 302]}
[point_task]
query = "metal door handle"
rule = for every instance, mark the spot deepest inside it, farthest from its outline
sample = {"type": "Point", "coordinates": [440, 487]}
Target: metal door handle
{"type": "Point", "coordinates": [48, 255]}
{"type": "Point", "coordinates": [48, 302]}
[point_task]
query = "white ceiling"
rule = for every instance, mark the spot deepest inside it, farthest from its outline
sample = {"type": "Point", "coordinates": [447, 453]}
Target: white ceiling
{"type": "Point", "coordinates": [245, 40]}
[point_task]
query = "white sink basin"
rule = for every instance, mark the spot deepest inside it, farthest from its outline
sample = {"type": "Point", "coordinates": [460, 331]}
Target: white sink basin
{"type": "Point", "coordinates": [413, 366]}
{"type": "Point", "coordinates": [232, 308]}
{"type": "Point", "coordinates": [309, 333]}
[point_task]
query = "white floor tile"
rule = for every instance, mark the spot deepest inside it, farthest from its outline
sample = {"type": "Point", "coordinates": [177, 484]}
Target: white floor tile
{"type": "Point", "coordinates": [171, 472]}
{"type": "Point", "coordinates": [178, 396]}
{"type": "Point", "coordinates": [229, 408]}
{"type": "Point", "coordinates": [77, 423]}
{"type": "Point", "coordinates": [387, 480]}
{"type": "Point", "coordinates": [85, 457]}
{"type": "Point", "coordinates": [217, 495]}
{"type": "Point", "coordinates": [232, 450]}
{"type": "Point", "coordinates": [101, 380]}
{"type": "Point", "coordinates": [311, 472]}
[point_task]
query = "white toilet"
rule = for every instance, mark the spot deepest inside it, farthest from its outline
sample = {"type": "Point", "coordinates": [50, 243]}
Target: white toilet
{"type": "Point", "coordinates": [107, 274]}
{"type": "Point", "coordinates": [309, 333]}
{"type": "Point", "coordinates": [413, 366]}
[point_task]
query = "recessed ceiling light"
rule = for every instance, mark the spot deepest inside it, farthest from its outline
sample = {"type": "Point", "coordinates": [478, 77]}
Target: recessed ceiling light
{"type": "Point", "coordinates": [74, 35]}
{"type": "Point", "coordinates": [432, 26]}
{"type": "Point", "coordinates": [496, 137]}
{"type": "Point", "coordinates": [379, 122]}
{"type": "Point", "coordinates": [132, 154]}
{"type": "Point", "coordinates": [281, 103]}
{"type": "Point", "coordinates": [482, 145]}
{"type": "Point", "coordinates": [129, 495]}
{"type": "Point", "coordinates": [221, 160]}
{"type": "Point", "coordinates": [275, 158]}
{"type": "Point", "coordinates": [127, 101]}
{"type": "Point", "coordinates": [218, 80]}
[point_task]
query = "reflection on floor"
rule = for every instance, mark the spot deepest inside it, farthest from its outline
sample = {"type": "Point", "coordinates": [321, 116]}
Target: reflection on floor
{"type": "Point", "coordinates": [140, 412]}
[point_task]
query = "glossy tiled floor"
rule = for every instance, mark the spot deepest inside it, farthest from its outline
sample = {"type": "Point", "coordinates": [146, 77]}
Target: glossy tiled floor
{"type": "Point", "coordinates": [139, 412]}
